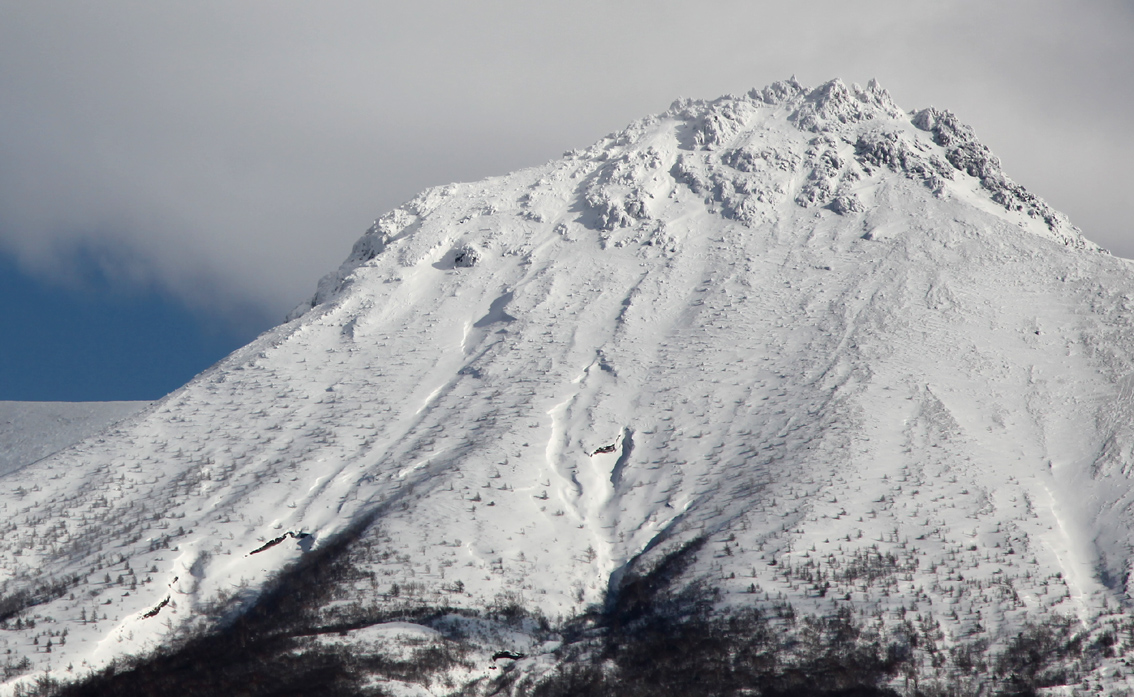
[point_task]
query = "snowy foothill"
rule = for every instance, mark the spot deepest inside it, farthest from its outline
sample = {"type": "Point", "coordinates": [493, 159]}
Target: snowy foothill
{"type": "Point", "coordinates": [797, 351]}
{"type": "Point", "coordinates": [30, 431]}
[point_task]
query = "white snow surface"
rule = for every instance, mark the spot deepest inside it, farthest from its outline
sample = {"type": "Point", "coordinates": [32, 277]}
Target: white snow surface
{"type": "Point", "coordinates": [30, 431]}
{"type": "Point", "coordinates": [820, 333]}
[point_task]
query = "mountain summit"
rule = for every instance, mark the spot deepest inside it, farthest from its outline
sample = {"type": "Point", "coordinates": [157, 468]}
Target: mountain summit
{"type": "Point", "coordinates": [795, 384]}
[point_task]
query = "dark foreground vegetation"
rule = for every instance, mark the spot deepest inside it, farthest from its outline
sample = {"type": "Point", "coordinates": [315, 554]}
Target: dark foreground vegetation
{"type": "Point", "coordinates": [272, 650]}
{"type": "Point", "coordinates": [647, 642]}
{"type": "Point", "coordinates": [652, 643]}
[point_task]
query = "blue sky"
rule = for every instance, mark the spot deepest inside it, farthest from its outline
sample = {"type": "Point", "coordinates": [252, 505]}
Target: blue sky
{"type": "Point", "coordinates": [95, 340]}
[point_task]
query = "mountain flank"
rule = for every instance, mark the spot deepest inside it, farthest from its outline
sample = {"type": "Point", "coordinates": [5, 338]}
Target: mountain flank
{"type": "Point", "coordinates": [792, 392]}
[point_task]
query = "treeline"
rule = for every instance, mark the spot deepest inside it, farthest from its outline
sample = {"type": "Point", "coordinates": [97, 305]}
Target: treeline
{"type": "Point", "coordinates": [647, 641]}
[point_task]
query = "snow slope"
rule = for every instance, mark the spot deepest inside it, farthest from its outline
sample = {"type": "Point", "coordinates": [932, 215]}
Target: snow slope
{"type": "Point", "coordinates": [33, 430]}
{"type": "Point", "coordinates": [824, 346]}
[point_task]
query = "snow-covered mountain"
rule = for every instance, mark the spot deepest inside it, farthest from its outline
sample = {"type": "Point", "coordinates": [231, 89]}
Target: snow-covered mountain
{"type": "Point", "coordinates": [796, 351]}
{"type": "Point", "coordinates": [33, 430]}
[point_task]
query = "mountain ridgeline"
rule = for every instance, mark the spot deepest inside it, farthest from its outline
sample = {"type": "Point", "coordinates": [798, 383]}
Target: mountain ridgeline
{"type": "Point", "coordinates": [786, 393]}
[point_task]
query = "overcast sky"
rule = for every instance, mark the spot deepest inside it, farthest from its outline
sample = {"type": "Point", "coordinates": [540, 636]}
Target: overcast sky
{"type": "Point", "coordinates": [229, 153]}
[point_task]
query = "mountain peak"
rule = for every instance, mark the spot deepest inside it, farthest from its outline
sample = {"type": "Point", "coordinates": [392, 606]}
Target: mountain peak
{"type": "Point", "coordinates": [833, 104]}
{"type": "Point", "coordinates": [749, 155]}
{"type": "Point", "coordinates": [794, 361]}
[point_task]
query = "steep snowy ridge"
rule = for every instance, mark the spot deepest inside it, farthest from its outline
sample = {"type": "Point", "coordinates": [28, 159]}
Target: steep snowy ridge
{"type": "Point", "coordinates": [796, 347]}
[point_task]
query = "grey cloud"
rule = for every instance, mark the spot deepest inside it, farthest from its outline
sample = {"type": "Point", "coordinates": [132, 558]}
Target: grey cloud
{"type": "Point", "coordinates": [233, 151]}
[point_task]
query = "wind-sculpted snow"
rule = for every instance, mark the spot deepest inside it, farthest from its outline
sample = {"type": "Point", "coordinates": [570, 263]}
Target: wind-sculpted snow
{"type": "Point", "coordinates": [796, 348]}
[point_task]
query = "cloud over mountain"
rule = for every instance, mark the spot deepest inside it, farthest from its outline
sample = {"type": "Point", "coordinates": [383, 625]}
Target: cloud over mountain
{"type": "Point", "coordinates": [229, 154]}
